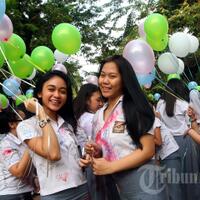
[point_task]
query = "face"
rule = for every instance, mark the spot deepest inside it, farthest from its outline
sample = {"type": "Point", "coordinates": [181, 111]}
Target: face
{"type": "Point", "coordinates": [110, 81]}
{"type": "Point", "coordinates": [95, 102]}
{"type": "Point", "coordinates": [53, 94]}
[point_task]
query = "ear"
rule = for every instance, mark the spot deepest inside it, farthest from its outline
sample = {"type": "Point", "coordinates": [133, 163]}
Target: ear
{"type": "Point", "coordinates": [12, 124]}
{"type": "Point", "coordinates": [39, 95]}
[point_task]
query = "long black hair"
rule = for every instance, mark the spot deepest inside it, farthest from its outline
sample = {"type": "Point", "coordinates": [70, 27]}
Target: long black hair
{"type": "Point", "coordinates": [66, 112]}
{"type": "Point", "coordinates": [176, 89]}
{"type": "Point", "coordinates": [84, 94]}
{"type": "Point", "coordinates": [139, 115]}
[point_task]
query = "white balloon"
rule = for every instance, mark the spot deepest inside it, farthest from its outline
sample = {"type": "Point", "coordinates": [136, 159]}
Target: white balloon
{"type": "Point", "coordinates": [141, 31]}
{"type": "Point", "coordinates": [181, 66]}
{"type": "Point", "coordinates": [194, 43]}
{"type": "Point", "coordinates": [60, 67]}
{"type": "Point", "coordinates": [92, 79]}
{"type": "Point", "coordinates": [59, 56]}
{"type": "Point", "coordinates": [168, 63]}
{"type": "Point", "coordinates": [179, 44]}
{"type": "Point", "coordinates": [32, 76]}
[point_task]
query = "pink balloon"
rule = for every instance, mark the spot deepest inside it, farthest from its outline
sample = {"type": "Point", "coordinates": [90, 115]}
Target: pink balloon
{"type": "Point", "coordinates": [141, 31]}
{"type": "Point", "coordinates": [140, 55]}
{"type": "Point", "coordinates": [6, 28]}
{"type": "Point", "coordinates": [92, 79]}
{"type": "Point", "coordinates": [60, 67]}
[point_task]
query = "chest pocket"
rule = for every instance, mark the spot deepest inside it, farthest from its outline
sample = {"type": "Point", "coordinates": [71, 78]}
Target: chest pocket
{"type": "Point", "coordinates": [119, 127]}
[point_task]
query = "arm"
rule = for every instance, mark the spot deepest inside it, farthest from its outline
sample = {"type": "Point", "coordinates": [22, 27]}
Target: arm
{"type": "Point", "coordinates": [20, 168]}
{"type": "Point", "coordinates": [157, 136]}
{"type": "Point", "coordinates": [194, 135]}
{"type": "Point", "coordinates": [133, 160]}
{"type": "Point", "coordinates": [47, 144]}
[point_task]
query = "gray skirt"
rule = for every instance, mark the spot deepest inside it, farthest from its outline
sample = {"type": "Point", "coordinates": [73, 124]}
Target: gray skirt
{"type": "Point", "coordinates": [77, 193]}
{"type": "Point", "coordinates": [143, 183]}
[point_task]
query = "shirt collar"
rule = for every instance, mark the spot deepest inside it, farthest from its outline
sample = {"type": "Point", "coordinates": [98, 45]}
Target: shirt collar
{"type": "Point", "coordinates": [118, 101]}
{"type": "Point", "coordinates": [14, 138]}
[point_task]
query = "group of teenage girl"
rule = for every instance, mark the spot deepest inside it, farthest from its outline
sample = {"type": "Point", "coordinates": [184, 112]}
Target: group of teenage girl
{"type": "Point", "coordinates": [107, 143]}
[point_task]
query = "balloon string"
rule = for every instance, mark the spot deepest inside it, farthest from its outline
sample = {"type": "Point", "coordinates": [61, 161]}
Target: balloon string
{"type": "Point", "coordinates": [8, 42]}
{"type": "Point", "coordinates": [190, 72]}
{"type": "Point", "coordinates": [3, 73]}
{"type": "Point", "coordinates": [6, 60]}
{"type": "Point", "coordinates": [19, 78]}
{"type": "Point", "coordinates": [186, 76]}
{"type": "Point", "coordinates": [36, 66]}
{"type": "Point", "coordinates": [16, 112]}
{"type": "Point", "coordinates": [11, 92]}
{"type": "Point", "coordinates": [169, 89]}
{"type": "Point", "coordinates": [197, 62]}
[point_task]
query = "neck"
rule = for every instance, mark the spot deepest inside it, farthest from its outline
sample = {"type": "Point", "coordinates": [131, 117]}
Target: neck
{"type": "Point", "coordinates": [53, 115]}
{"type": "Point", "coordinates": [113, 101]}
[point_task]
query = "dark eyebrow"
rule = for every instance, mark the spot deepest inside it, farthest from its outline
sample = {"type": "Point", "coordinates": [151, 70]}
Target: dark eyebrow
{"type": "Point", "coordinates": [54, 86]}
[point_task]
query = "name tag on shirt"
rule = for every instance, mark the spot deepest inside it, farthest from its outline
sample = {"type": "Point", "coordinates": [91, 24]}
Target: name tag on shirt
{"type": "Point", "coordinates": [119, 127]}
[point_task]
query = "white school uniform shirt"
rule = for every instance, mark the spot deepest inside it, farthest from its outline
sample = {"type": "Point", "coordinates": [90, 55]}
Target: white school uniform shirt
{"type": "Point", "coordinates": [116, 135]}
{"type": "Point", "coordinates": [11, 152]}
{"type": "Point", "coordinates": [169, 144]}
{"type": "Point", "coordinates": [85, 122]}
{"type": "Point", "coordinates": [177, 124]}
{"type": "Point", "coordinates": [195, 103]}
{"type": "Point", "coordinates": [55, 176]}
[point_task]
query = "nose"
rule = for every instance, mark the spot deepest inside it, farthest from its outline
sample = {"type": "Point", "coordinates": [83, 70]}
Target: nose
{"type": "Point", "coordinates": [105, 79]}
{"type": "Point", "coordinates": [56, 93]}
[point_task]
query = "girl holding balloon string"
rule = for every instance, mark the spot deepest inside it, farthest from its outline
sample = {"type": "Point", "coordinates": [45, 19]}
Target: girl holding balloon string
{"type": "Point", "coordinates": [50, 134]}
{"type": "Point", "coordinates": [124, 144]}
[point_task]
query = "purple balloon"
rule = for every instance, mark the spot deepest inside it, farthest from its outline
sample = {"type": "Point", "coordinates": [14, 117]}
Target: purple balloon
{"type": "Point", "coordinates": [60, 67]}
{"type": "Point", "coordinates": [140, 55]}
{"type": "Point", "coordinates": [6, 28]}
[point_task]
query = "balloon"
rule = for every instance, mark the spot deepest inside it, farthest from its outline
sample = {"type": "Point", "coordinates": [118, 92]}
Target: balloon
{"type": "Point", "coordinates": [10, 87]}
{"type": "Point", "coordinates": [168, 63]}
{"type": "Point", "coordinates": [194, 43]}
{"type": "Point", "coordinates": [179, 44]}
{"type": "Point", "coordinates": [20, 99]}
{"type": "Point", "coordinates": [17, 79]}
{"type": "Point", "coordinates": [192, 85]}
{"type": "Point", "coordinates": [141, 31]}
{"type": "Point", "coordinates": [150, 97]}
{"type": "Point", "coordinates": [60, 67]}
{"type": "Point", "coordinates": [66, 38]}
{"type": "Point", "coordinates": [92, 79]}
{"type": "Point", "coordinates": [144, 79]}
{"type": "Point", "coordinates": [2, 8]}
{"type": "Point", "coordinates": [43, 57]}
{"type": "Point", "coordinates": [4, 102]}
{"type": "Point", "coordinates": [59, 56]}
{"type": "Point", "coordinates": [198, 87]}
{"type": "Point", "coordinates": [173, 76]}
{"type": "Point", "coordinates": [15, 47]}
{"type": "Point", "coordinates": [156, 26]}
{"type": "Point", "coordinates": [156, 96]}
{"type": "Point", "coordinates": [1, 55]}
{"type": "Point", "coordinates": [158, 44]}
{"type": "Point", "coordinates": [29, 93]}
{"type": "Point", "coordinates": [23, 67]}
{"type": "Point", "coordinates": [6, 28]}
{"type": "Point", "coordinates": [140, 55]}
{"type": "Point", "coordinates": [181, 66]}
{"type": "Point", "coordinates": [147, 86]}
{"type": "Point", "coordinates": [32, 76]}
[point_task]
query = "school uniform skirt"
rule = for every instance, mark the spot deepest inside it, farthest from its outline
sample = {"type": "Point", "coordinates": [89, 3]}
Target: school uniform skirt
{"type": "Point", "coordinates": [142, 183]}
{"type": "Point", "coordinates": [77, 193]}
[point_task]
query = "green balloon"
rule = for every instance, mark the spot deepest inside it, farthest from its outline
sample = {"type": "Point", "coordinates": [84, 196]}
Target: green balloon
{"type": "Point", "coordinates": [150, 97]}
{"type": "Point", "coordinates": [173, 76]}
{"type": "Point", "coordinates": [198, 87]}
{"type": "Point", "coordinates": [158, 44]}
{"type": "Point", "coordinates": [23, 67]}
{"type": "Point", "coordinates": [15, 48]}
{"type": "Point", "coordinates": [20, 99]}
{"type": "Point", "coordinates": [3, 101]}
{"type": "Point", "coordinates": [156, 26]}
{"type": "Point", "coordinates": [1, 55]}
{"type": "Point", "coordinates": [66, 38]}
{"type": "Point", "coordinates": [43, 57]}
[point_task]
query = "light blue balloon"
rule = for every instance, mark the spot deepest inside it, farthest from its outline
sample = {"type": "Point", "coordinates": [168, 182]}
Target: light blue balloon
{"type": "Point", "coordinates": [10, 87]}
{"type": "Point", "coordinates": [156, 96]}
{"type": "Point", "coordinates": [192, 85]}
{"type": "Point", "coordinates": [144, 79]}
{"type": "Point", "coordinates": [2, 8]}
{"type": "Point", "coordinates": [29, 91]}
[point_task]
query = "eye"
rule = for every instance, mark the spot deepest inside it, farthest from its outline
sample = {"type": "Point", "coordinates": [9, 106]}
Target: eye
{"type": "Point", "coordinates": [50, 89]}
{"type": "Point", "coordinates": [102, 75]}
{"type": "Point", "coordinates": [63, 92]}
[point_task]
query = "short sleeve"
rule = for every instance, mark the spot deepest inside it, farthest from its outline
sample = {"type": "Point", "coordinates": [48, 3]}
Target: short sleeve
{"type": "Point", "coordinates": [9, 155]}
{"type": "Point", "coordinates": [26, 130]}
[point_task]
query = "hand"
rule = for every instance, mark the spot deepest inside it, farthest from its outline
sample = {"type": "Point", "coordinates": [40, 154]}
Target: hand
{"type": "Point", "coordinates": [84, 162]}
{"type": "Point", "coordinates": [191, 113]}
{"type": "Point", "coordinates": [30, 104]}
{"type": "Point", "coordinates": [93, 149]}
{"type": "Point", "coordinates": [101, 166]}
